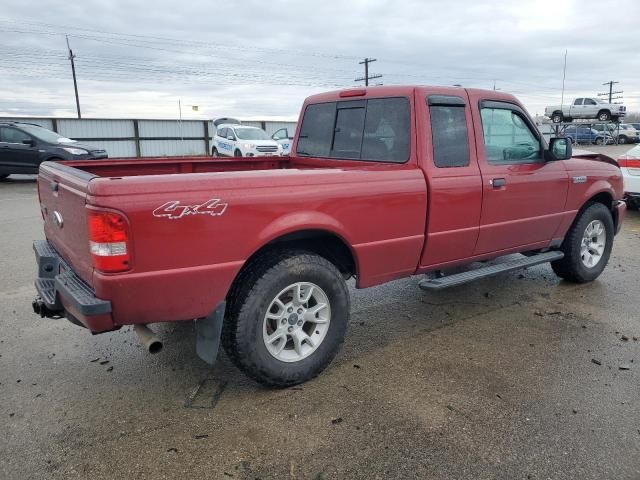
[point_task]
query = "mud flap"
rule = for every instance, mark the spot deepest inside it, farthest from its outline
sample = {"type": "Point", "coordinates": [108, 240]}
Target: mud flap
{"type": "Point", "coordinates": [208, 331]}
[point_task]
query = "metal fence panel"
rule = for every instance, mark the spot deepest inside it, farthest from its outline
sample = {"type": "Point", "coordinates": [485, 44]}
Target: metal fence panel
{"type": "Point", "coordinates": [117, 148]}
{"type": "Point", "coordinates": [171, 128]}
{"type": "Point", "coordinates": [170, 148]}
{"type": "Point", "coordinates": [90, 128]}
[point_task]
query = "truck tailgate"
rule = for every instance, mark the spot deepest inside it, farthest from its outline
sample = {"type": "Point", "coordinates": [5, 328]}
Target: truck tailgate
{"type": "Point", "coordinates": [63, 192]}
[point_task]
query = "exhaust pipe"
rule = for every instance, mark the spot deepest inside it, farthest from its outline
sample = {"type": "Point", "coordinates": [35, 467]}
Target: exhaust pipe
{"type": "Point", "coordinates": [147, 338]}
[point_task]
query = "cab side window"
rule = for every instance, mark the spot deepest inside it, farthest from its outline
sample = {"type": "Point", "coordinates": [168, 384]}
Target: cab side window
{"type": "Point", "coordinates": [449, 135]}
{"type": "Point", "coordinates": [508, 139]}
{"type": "Point", "coordinates": [588, 101]}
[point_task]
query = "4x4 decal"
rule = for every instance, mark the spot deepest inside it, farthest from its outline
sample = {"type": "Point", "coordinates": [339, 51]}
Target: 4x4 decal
{"type": "Point", "coordinates": [173, 210]}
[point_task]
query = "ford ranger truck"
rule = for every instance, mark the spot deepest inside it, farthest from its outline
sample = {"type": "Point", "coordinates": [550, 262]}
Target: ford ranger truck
{"type": "Point", "coordinates": [382, 183]}
{"type": "Point", "coordinates": [582, 108]}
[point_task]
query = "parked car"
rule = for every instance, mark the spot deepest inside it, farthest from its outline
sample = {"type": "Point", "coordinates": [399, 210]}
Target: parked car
{"type": "Point", "coordinates": [620, 132]}
{"type": "Point", "coordinates": [24, 146]}
{"type": "Point", "coordinates": [284, 136]}
{"type": "Point", "coordinates": [630, 166]}
{"type": "Point", "coordinates": [589, 107]}
{"type": "Point", "coordinates": [259, 252]}
{"type": "Point", "coordinates": [243, 141]}
{"type": "Point", "coordinates": [586, 134]}
{"type": "Point", "coordinates": [636, 126]}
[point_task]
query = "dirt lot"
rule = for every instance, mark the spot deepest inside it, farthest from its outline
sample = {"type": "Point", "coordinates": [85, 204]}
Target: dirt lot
{"type": "Point", "coordinates": [515, 377]}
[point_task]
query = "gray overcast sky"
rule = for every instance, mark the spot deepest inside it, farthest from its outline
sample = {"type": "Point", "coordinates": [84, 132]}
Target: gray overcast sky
{"type": "Point", "coordinates": [260, 59]}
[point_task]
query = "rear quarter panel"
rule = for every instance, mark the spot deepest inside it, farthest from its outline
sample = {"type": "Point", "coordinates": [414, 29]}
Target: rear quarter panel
{"type": "Point", "coordinates": [183, 267]}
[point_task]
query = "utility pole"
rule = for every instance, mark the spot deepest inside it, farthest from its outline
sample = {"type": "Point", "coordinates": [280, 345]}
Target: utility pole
{"type": "Point", "coordinates": [73, 71]}
{"type": "Point", "coordinates": [611, 92]}
{"type": "Point", "coordinates": [367, 77]}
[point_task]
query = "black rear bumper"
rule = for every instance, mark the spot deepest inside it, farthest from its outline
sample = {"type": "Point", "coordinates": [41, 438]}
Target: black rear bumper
{"type": "Point", "coordinates": [59, 288]}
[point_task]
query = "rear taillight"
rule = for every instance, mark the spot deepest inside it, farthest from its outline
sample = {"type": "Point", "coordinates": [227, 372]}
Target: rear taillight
{"type": "Point", "coordinates": [629, 162]}
{"type": "Point", "coordinates": [109, 241]}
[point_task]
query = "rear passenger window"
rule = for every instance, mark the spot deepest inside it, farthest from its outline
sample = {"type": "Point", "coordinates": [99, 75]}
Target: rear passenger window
{"type": "Point", "coordinates": [450, 137]}
{"type": "Point", "coordinates": [376, 130]}
{"type": "Point", "coordinates": [347, 138]}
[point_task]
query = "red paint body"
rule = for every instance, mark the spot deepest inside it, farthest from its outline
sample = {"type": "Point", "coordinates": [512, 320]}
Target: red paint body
{"type": "Point", "coordinates": [397, 219]}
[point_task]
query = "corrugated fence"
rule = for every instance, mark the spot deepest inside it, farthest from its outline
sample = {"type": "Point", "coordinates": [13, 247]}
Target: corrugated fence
{"type": "Point", "coordinates": [144, 138]}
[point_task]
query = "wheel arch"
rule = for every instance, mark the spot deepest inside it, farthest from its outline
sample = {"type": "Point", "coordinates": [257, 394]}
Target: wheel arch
{"type": "Point", "coordinates": [322, 241]}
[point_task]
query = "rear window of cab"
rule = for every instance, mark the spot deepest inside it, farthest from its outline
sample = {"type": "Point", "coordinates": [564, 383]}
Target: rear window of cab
{"type": "Point", "coordinates": [376, 129]}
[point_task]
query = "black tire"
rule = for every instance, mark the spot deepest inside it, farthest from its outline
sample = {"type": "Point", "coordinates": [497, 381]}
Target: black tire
{"type": "Point", "coordinates": [256, 288]}
{"type": "Point", "coordinates": [3, 176]}
{"type": "Point", "coordinates": [622, 139]}
{"type": "Point", "coordinates": [571, 267]}
{"type": "Point", "coordinates": [604, 116]}
{"type": "Point", "coordinates": [557, 117]}
{"type": "Point", "coordinates": [599, 141]}
{"type": "Point", "coordinates": [214, 152]}
{"type": "Point", "coordinates": [237, 153]}
{"type": "Point", "coordinates": [570, 140]}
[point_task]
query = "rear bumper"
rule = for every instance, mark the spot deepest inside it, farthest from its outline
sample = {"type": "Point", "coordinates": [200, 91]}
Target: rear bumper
{"type": "Point", "coordinates": [62, 293]}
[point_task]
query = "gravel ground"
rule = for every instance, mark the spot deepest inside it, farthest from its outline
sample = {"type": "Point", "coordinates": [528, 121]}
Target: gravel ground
{"type": "Point", "coordinates": [514, 377]}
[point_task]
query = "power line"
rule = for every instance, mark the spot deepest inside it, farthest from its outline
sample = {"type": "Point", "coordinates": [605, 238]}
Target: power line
{"type": "Point", "coordinates": [367, 77]}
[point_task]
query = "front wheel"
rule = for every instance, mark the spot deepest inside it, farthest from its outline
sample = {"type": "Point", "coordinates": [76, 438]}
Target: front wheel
{"type": "Point", "coordinates": [622, 140]}
{"type": "Point", "coordinates": [587, 246]}
{"type": "Point", "coordinates": [604, 116]}
{"type": "Point", "coordinates": [287, 318]}
{"type": "Point", "coordinates": [214, 152]}
{"type": "Point", "coordinates": [599, 141]}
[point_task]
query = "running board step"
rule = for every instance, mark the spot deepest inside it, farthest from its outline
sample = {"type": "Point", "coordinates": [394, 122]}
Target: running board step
{"type": "Point", "coordinates": [471, 275]}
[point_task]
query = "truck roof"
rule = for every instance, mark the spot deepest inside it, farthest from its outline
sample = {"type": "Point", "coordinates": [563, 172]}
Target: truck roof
{"type": "Point", "coordinates": [405, 90]}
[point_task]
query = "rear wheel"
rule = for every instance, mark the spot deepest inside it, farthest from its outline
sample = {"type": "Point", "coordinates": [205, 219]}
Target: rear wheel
{"type": "Point", "coordinates": [237, 153]}
{"type": "Point", "coordinates": [557, 117]}
{"type": "Point", "coordinates": [214, 152]}
{"type": "Point", "coordinates": [622, 140]}
{"type": "Point", "coordinates": [587, 246]}
{"type": "Point", "coordinates": [287, 318]}
{"type": "Point", "coordinates": [599, 141]}
{"type": "Point", "coordinates": [3, 176]}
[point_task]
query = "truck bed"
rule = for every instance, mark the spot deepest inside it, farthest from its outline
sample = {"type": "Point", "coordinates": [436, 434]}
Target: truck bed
{"type": "Point", "coordinates": [129, 167]}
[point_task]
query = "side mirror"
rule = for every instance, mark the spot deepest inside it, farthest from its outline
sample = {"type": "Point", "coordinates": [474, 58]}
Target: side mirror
{"type": "Point", "coordinates": [559, 149]}
{"type": "Point", "coordinates": [231, 137]}
{"type": "Point", "coordinates": [31, 142]}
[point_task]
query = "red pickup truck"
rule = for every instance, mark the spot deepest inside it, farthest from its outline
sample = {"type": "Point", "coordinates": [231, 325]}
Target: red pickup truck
{"type": "Point", "coordinates": [382, 183]}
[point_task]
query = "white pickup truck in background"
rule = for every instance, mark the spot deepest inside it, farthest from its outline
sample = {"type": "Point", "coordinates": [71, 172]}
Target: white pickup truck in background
{"type": "Point", "coordinates": [587, 107]}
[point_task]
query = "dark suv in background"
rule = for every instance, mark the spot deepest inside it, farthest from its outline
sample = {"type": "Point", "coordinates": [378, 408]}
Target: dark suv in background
{"type": "Point", "coordinates": [24, 146]}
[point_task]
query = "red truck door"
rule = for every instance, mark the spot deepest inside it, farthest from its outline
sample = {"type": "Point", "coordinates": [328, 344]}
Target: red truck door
{"type": "Point", "coordinates": [455, 185]}
{"type": "Point", "coordinates": [523, 196]}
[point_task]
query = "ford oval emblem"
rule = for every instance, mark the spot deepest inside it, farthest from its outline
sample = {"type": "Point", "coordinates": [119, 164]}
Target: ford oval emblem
{"type": "Point", "coordinates": [57, 219]}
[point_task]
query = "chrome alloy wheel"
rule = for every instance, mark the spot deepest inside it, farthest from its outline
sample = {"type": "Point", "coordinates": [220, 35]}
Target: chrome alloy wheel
{"type": "Point", "coordinates": [593, 243]}
{"type": "Point", "coordinates": [296, 322]}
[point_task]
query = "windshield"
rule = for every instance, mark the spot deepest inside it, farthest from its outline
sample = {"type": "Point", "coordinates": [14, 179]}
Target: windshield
{"type": "Point", "coordinates": [44, 134]}
{"type": "Point", "coordinates": [251, 134]}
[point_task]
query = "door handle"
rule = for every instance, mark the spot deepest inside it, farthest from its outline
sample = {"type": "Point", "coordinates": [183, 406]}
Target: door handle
{"type": "Point", "coordinates": [498, 182]}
